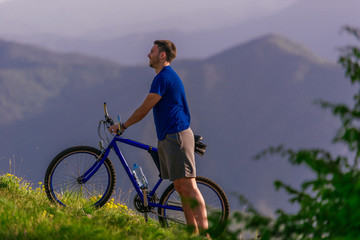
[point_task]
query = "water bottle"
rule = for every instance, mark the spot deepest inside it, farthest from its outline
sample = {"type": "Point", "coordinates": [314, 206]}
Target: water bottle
{"type": "Point", "coordinates": [139, 176]}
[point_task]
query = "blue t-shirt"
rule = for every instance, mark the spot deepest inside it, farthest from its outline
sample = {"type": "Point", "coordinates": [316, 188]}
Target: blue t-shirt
{"type": "Point", "coordinates": [171, 113]}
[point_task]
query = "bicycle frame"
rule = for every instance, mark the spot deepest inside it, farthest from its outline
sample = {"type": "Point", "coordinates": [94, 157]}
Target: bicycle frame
{"type": "Point", "coordinates": [92, 170]}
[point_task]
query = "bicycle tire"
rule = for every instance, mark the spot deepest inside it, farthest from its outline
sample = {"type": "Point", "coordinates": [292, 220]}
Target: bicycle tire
{"type": "Point", "coordinates": [216, 202]}
{"type": "Point", "coordinates": [61, 178]}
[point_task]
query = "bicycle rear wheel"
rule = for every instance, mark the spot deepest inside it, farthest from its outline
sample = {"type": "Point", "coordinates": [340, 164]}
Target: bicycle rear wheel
{"type": "Point", "coordinates": [62, 178]}
{"type": "Point", "coordinates": [216, 202]}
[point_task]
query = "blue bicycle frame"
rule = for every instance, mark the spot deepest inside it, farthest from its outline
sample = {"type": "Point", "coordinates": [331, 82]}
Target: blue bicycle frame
{"type": "Point", "coordinates": [92, 170]}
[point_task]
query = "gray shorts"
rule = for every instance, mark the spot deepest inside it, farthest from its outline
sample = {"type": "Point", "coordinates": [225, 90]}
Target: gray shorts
{"type": "Point", "coordinates": [176, 155]}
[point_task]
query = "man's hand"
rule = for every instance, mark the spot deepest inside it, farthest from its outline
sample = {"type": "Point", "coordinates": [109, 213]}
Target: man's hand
{"type": "Point", "coordinates": [115, 129]}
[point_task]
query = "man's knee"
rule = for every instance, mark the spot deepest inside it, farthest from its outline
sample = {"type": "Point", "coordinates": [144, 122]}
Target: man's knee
{"type": "Point", "coordinates": [185, 186]}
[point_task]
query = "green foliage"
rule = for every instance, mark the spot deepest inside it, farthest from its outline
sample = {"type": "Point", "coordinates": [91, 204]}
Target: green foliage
{"type": "Point", "coordinates": [26, 213]}
{"type": "Point", "coordinates": [329, 203]}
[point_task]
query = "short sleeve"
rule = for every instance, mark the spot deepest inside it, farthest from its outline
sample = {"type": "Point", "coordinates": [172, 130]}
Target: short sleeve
{"type": "Point", "coordinates": [159, 85]}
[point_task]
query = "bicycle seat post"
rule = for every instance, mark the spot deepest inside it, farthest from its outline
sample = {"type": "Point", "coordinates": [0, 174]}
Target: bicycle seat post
{"type": "Point", "coordinates": [146, 204]}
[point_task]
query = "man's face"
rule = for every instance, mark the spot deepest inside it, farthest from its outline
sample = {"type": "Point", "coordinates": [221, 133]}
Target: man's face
{"type": "Point", "coordinates": [154, 56]}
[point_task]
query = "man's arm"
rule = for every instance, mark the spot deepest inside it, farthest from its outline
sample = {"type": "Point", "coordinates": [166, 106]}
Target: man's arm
{"type": "Point", "coordinates": [150, 101]}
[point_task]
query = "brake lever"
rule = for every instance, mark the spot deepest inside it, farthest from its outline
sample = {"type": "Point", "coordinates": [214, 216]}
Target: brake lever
{"type": "Point", "coordinates": [109, 121]}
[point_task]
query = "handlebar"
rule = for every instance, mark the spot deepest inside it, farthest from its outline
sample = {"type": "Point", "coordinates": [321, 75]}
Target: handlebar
{"type": "Point", "coordinates": [109, 121]}
{"type": "Point", "coordinates": [105, 110]}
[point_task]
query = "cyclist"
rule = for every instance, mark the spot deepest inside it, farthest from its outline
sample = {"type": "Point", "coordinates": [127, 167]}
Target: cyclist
{"type": "Point", "coordinates": [176, 139]}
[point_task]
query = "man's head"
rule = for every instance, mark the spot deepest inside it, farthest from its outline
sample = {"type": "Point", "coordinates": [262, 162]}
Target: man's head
{"type": "Point", "coordinates": [168, 47]}
{"type": "Point", "coordinates": [161, 54]}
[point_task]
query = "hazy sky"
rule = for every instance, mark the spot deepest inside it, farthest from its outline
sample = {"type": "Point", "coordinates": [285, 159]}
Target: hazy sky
{"type": "Point", "coordinates": [56, 24]}
{"type": "Point", "coordinates": [81, 17]}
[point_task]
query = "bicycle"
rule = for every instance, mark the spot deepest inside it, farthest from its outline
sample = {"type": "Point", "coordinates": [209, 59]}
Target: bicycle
{"type": "Point", "coordinates": [85, 175]}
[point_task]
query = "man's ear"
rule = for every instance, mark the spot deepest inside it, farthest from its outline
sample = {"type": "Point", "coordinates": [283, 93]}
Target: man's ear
{"type": "Point", "coordinates": [162, 55]}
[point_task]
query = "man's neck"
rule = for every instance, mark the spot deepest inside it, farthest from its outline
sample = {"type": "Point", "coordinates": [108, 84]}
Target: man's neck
{"type": "Point", "coordinates": [161, 66]}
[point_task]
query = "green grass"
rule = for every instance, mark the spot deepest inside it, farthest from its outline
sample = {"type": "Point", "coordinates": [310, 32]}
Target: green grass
{"type": "Point", "coordinates": [27, 213]}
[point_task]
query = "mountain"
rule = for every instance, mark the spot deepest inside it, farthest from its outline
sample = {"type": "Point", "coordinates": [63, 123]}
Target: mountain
{"type": "Point", "coordinates": [242, 100]}
{"type": "Point", "coordinates": [30, 76]}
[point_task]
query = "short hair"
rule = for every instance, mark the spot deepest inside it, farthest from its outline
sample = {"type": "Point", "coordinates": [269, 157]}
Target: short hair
{"type": "Point", "coordinates": [168, 47]}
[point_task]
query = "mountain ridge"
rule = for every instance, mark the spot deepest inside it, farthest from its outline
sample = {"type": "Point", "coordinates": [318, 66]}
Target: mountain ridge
{"type": "Point", "coordinates": [28, 58]}
{"type": "Point", "coordinates": [30, 76]}
{"type": "Point", "coordinates": [12, 50]}
{"type": "Point", "coordinates": [274, 40]}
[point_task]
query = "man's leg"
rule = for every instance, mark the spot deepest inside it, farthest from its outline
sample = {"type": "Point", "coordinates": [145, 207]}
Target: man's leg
{"type": "Point", "coordinates": [193, 203]}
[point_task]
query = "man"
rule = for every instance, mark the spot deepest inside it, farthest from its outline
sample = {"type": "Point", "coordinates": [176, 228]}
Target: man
{"type": "Point", "coordinates": [176, 140]}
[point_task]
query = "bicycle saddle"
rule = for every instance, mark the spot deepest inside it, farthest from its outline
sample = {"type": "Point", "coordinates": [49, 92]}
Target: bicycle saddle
{"type": "Point", "coordinates": [199, 146]}
{"type": "Point", "coordinates": [198, 138]}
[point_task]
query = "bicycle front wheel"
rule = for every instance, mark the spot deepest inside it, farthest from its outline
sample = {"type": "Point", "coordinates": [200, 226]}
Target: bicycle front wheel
{"type": "Point", "coordinates": [63, 183]}
{"type": "Point", "coordinates": [217, 205]}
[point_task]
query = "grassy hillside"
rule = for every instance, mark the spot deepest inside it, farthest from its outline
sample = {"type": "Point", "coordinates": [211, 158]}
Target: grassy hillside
{"type": "Point", "coordinates": [26, 213]}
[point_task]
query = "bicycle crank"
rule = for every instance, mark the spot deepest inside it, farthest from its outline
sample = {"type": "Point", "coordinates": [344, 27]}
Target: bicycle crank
{"type": "Point", "coordinates": [139, 204]}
